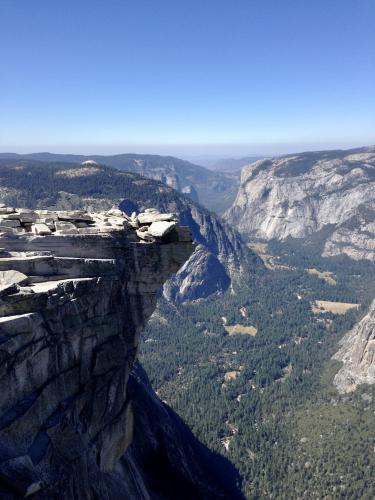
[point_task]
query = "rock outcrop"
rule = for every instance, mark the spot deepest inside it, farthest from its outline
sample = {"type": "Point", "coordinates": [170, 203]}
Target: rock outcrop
{"type": "Point", "coordinates": [76, 290]}
{"type": "Point", "coordinates": [68, 187]}
{"type": "Point", "coordinates": [331, 192]}
{"type": "Point", "coordinates": [190, 282]}
{"type": "Point", "coordinates": [357, 353]}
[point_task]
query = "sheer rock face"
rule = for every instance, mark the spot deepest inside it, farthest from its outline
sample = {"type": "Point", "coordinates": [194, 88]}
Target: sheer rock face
{"type": "Point", "coordinates": [357, 353]}
{"type": "Point", "coordinates": [69, 328]}
{"type": "Point", "coordinates": [190, 282]}
{"type": "Point", "coordinates": [297, 196]}
{"type": "Point", "coordinates": [168, 460]}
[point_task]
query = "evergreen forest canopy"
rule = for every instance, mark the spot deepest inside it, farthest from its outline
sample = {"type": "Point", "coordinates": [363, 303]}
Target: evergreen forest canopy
{"type": "Point", "coordinates": [267, 402]}
{"type": "Point", "coordinates": [216, 190]}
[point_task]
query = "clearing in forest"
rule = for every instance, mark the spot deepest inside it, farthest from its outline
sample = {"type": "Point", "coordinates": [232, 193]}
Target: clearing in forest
{"type": "Point", "coordinates": [232, 375]}
{"type": "Point", "coordinates": [327, 276]}
{"type": "Point", "coordinates": [241, 330]}
{"type": "Point", "coordinates": [270, 261]}
{"type": "Point", "coordinates": [323, 306]}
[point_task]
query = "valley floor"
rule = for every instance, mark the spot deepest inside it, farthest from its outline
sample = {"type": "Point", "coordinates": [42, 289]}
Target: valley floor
{"type": "Point", "coordinates": [264, 396]}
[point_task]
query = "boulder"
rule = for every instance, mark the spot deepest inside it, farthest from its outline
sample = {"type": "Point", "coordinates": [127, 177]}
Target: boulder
{"type": "Point", "coordinates": [41, 229]}
{"type": "Point", "coordinates": [149, 218]}
{"type": "Point", "coordinates": [12, 277]}
{"type": "Point", "coordinates": [25, 216]}
{"type": "Point", "coordinates": [117, 221]}
{"type": "Point", "coordinates": [115, 212]}
{"type": "Point", "coordinates": [161, 228]}
{"type": "Point", "coordinates": [10, 280]}
{"type": "Point", "coordinates": [64, 226]}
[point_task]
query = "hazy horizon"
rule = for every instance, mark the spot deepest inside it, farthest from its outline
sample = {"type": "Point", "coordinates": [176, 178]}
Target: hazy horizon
{"type": "Point", "coordinates": [193, 152]}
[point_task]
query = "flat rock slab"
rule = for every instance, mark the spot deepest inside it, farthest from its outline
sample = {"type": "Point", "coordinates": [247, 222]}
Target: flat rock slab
{"type": "Point", "coordinates": [161, 228]}
{"type": "Point", "coordinates": [7, 210]}
{"type": "Point", "coordinates": [149, 218]}
{"type": "Point", "coordinates": [88, 230]}
{"type": "Point", "coordinates": [12, 277]}
{"type": "Point", "coordinates": [63, 226]}
{"type": "Point", "coordinates": [75, 216]}
{"type": "Point", "coordinates": [40, 229]}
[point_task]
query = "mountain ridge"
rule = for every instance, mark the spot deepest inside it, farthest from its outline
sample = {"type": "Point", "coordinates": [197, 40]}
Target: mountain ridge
{"type": "Point", "coordinates": [216, 190]}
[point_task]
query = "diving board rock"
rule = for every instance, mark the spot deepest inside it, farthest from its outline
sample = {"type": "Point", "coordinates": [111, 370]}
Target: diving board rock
{"type": "Point", "coordinates": [72, 309]}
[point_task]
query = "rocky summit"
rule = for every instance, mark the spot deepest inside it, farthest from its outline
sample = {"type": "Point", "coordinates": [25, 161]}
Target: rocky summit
{"type": "Point", "coordinates": [76, 290]}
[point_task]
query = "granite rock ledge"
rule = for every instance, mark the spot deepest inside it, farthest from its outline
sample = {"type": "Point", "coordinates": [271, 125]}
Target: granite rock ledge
{"type": "Point", "coordinates": [76, 290]}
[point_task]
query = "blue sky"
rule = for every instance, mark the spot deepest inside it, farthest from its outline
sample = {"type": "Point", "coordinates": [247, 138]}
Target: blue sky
{"type": "Point", "coordinates": [186, 76]}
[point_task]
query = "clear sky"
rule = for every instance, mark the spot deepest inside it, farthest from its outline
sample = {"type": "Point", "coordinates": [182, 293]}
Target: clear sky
{"type": "Point", "coordinates": [200, 76]}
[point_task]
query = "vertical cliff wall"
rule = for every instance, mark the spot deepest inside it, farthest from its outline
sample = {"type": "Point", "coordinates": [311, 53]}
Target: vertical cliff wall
{"type": "Point", "coordinates": [357, 354]}
{"type": "Point", "coordinates": [75, 293]}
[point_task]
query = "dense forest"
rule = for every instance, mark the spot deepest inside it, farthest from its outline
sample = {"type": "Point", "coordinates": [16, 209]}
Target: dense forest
{"type": "Point", "coordinates": [216, 190]}
{"type": "Point", "coordinates": [267, 401]}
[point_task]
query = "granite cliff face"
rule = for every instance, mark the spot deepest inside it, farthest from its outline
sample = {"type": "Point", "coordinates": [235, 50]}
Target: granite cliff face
{"type": "Point", "coordinates": [329, 198]}
{"type": "Point", "coordinates": [303, 194]}
{"type": "Point", "coordinates": [76, 292]}
{"type": "Point", "coordinates": [357, 353]}
{"type": "Point", "coordinates": [167, 460]}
